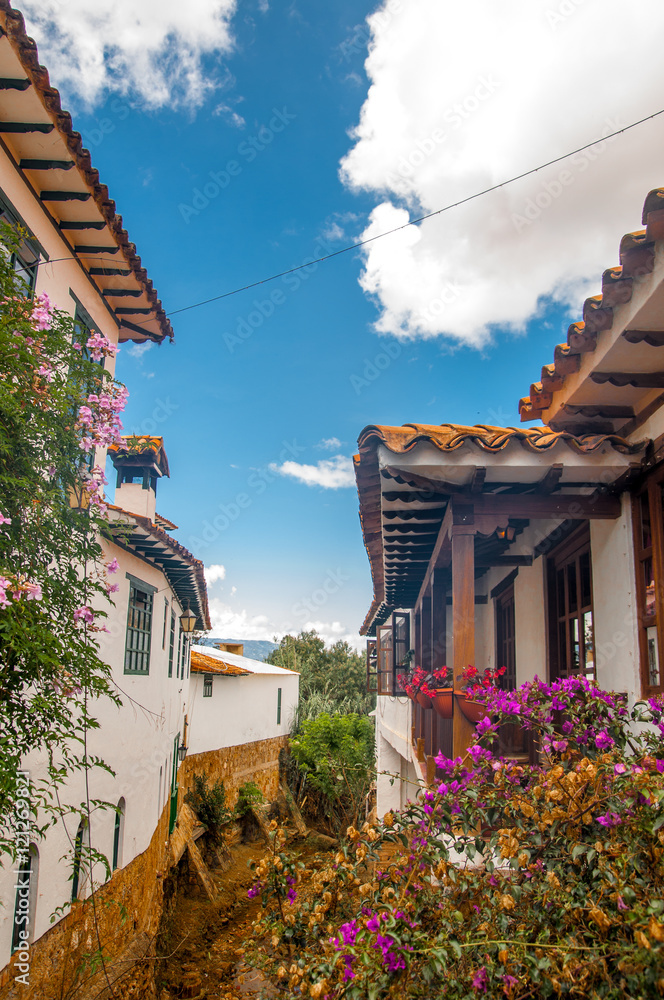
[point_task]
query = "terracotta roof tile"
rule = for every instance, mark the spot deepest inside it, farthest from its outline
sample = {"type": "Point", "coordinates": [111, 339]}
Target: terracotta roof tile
{"type": "Point", "coordinates": [26, 51]}
{"type": "Point", "coordinates": [637, 257]}
{"type": "Point", "coordinates": [202, 664]}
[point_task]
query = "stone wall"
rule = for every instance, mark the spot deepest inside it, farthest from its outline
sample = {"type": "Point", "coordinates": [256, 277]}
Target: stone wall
{"type": "Point", "coordinates": [125, 913]}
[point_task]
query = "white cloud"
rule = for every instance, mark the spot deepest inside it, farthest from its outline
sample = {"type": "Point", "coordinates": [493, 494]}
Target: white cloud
{"type": "Point", "coordinates": [332, 632]}
{"type": "Point", "coordinates": [229, 115]}
{"type": "Point", "coordinates": [214, 573]}
{"type": "Point", "coordinates": [330, 473]}
{"type": "Point", "coordinates": [329, 444]}
{"type": "Point", "coordinates": [140, 350]}
{"type": "Point", "coordinates": [233, 591]}
{"type": "Point", "coordinates": [239, 624]}
{"type": "Point", "coordinates": [155, 49]}
{"type": "Point", "coordinates": [464, 96]}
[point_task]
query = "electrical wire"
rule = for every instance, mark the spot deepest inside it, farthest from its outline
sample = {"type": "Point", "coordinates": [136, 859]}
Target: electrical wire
{"type": "Point", "coordinates": [416, 222]}
{"type": "Point", "coordinates": [389, 232]}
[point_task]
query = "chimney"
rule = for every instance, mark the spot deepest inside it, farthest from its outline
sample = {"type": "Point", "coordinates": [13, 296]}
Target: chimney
{"type": "Point", "coordinates": [139, 461]}
{"type": "Point", "coordinates": [231, 647]}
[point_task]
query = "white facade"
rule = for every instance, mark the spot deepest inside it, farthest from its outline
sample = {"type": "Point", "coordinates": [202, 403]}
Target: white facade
{"type": "Point", "coordinates": [257, 705]}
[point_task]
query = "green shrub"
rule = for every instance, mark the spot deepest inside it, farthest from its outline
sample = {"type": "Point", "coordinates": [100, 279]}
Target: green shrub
{"type": "Point", "coordinates": [209, 804]}
{"type": "Point", "coordinates": [248, 796]}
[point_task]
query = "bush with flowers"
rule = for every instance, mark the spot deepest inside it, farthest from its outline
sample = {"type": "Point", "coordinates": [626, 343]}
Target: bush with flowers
{"type": "Point", "coordinates": [56, 404]}
{"type": "Point", "coordinates": [503, 880]}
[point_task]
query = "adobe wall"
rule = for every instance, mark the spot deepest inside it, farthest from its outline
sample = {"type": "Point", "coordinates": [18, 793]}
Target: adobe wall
{"type": "Point", "coordinates": [130, 905]}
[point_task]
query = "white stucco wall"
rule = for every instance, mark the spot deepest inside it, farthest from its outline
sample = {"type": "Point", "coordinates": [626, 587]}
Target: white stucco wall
{"type": "Point", "coordinates": [135, 740]}
{"type": "Point", "coordinates": [614, 604]}
{"type": "Point", "coordinates": [241, 709]}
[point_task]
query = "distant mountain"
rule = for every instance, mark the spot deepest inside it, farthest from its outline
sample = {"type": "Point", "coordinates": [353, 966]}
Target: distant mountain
{"type": "Point", "coordinates": [255, 649]}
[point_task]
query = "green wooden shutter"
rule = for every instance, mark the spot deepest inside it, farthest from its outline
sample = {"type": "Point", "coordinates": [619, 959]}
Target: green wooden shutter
{"type": "Point", "coordinates": [278, 706]}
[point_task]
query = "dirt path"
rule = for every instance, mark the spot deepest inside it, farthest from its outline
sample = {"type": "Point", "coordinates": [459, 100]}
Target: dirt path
{"type": "Point", "coordinates": [205, 939]}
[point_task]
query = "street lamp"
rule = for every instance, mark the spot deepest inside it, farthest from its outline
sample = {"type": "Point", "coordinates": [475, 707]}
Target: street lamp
{"type": "Point", "coordinates": [182, 752]}
{"type": "Point", "coordinates": [188, 621]}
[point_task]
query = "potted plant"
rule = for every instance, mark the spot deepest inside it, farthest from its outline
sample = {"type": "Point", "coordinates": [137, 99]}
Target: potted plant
{"type": "Point", "coordinates": [469, 695]}
{"type": "Point", "coordinates": [443, 691]}
{"type": "Point", "coordinates": [417, 687]}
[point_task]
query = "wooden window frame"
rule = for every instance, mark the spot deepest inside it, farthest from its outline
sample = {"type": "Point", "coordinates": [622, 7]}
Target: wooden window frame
{"type": "Point", "coordinates": [652, 487]}
{"type": "Point", "coordinates": [384, 665]}
{"type": "Point", "coordinates": [142, 654]}
{"type": "Point", "coordinates": [171, 644]}
{"type": "Point", "coordinates": [502, 601]}
{"type": "Point", "coordinates": [372, 666]}
{"type": "Point", "coordinates": [571, 548]}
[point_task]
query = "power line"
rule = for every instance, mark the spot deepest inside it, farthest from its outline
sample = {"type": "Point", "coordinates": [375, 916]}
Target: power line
{"type": "Point", "coordinates": [414, 222]}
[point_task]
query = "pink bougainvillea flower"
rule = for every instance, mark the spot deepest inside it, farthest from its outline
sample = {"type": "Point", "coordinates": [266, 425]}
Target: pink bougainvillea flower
{"type": "Point", "coordinates": [5, 520]}
{"type": "Point", "coordinates": [481, 980]}
{"type": "Point", "coordinates": [620, 768]}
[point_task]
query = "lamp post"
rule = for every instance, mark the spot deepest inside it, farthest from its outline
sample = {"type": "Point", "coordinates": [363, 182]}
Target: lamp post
{"type": "Point", "coordinates": [188, 621]}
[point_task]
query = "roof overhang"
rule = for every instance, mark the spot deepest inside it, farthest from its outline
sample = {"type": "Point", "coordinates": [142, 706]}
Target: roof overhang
{"type": "Point", "coordinates": [151, 543]}
{"type": "Point", "coordinates": [609, 375]}
{"type": "Point", "coordinates": [39, 138]}
{"type": "Point", "coordinates": [408, 475]}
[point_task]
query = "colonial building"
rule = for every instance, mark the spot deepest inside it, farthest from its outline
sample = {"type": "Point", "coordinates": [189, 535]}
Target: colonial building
{"type": "Point", "coordinates": [538, 549]}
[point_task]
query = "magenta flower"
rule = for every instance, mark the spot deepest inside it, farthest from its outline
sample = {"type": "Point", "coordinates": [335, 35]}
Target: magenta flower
{"type": "Point", "coordinates": [620, 768]}
{"type": "Point", "coordinates": [5, 520]}
{"type": "Point", "coordinates": [603, 741]}
{"type": "Point", "coordinates": [113, 566]}
{"type": "Point", "coordinates": [481, 980]}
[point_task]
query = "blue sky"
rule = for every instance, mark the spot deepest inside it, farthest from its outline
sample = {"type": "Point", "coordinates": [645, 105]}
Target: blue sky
{"type": "Point", "coordinates": [226, 182]}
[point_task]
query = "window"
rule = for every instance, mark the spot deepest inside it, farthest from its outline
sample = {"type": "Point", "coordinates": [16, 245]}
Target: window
{"type": "Point", "coordinates": [207, 686]}
{"type": "Point", "coordinates": [505, 637]}
{"type": "Point", "coordinates": [25, 260]}
{"type": "Point", "coordinates": [163, 634]}
{"type": "Point", "coordinates": [401, 639]}
{"type": "Point", "coordinates": [372, 666]}
{"type": "Point", "coordinates": [178, 665]}
{"type": "Point", "coordinates": [278, 706]}
{"type": "Point", "coordinates": [173, 815]}
{"type": "Point", "coordinates": [185, 656]}
{"type": "Point", "coordinates": [571, 633]}
{"type": "Point", "coordinates": [139, 628]}
{"type": "Point", "coordinates": [118, 834]}
{"type": "Point", "coordinates": [26, 900]}
{"type": "Point", "coordinates": [648, 519]}
{"type": "Point", "coordinates": [171, 645]}
{"type": "Point", "coordinates": [384, 655]}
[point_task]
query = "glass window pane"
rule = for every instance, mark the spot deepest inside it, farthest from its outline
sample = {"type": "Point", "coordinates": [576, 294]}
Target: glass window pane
{"type": "Point", "coordinates": [646, 532]}
{"type": "Point", "coordinates": [584, 571]}
{"type": "Point", "coordinates": [589, 644]}
{"type": "Point", "coordinates": [649, 584]}
{"type": "Point", "coordinates": [560, 585]}
{"type": "Point", "coordinates": [571, 586]}
{"type": "Point", "coordinates": [653, 656]}
{"type": "Point", "coordinates": [574, 645]}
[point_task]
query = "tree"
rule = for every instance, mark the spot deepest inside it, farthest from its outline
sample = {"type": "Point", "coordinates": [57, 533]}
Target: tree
{"type": "Point", "coordinates": [57, 403]}
{"type": "Point", "coordinates": [331, 680]}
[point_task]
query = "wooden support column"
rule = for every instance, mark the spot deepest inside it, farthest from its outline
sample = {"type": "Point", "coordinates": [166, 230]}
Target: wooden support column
{"type": "Point", "coordinates": [463, 615]}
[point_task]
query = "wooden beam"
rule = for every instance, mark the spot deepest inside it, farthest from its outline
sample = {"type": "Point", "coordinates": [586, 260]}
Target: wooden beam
{"type": "Point", "coordinates": [479, 599]}
{"type": "Point", "coordinates": [104, 272]}
{"type": "Point", "coordinates": [506, 560]}
{"type": "Point", "coordinates": [477, 482]}
{"type": "Point", "coordinates": [66, 226]}
{"type": "Point", "coordinates": [133, 311]}
{"type": "Point", "coordinates": [64, 195]}
{"type": "Point", "coordinates": [133, 293]}
{"type": "Point", "coordinates": [566, 505]}
{"type": "Point", "coordinates": [654, 338]}
{"type": "Point", "coordinates": [94, 250]}
{"type": "Point", "coordinates": [603, 411]}
{"type": "Point", "coordinates": [23, 128]}
{"type": "Point", "coordinates": [46, 164]}
{"type": "Point", "coordinates": [550, 480]}
{"type": "Point", "coordinates": [639, 380]}
{"type": "Point", "coordinates": [9, 83]}
{"type": "Point", "coordinates": [420, 496]}
{"type": "Point", "coordinates": [420, 482]}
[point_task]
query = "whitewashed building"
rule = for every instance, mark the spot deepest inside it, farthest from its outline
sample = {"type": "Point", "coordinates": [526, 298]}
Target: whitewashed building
{"type": "Point", "coordinates": [540, 549]}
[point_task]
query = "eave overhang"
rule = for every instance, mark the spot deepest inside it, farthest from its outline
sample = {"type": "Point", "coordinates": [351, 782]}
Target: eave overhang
{"type": "Point", "coordinates": [150, 542]}
{"type": "Point", "coordinates": [39, 138]}
{"type": "Point", "coordinates": [407, 475]}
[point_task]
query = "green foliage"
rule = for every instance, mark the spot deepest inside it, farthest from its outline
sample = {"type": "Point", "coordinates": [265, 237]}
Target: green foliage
{"type": "Point", "coordinates": [209, 804]}
{"type": "Point", "coordinates": [337, 754]}
{"type": "Point", "coordinates": [504, 880]}
{"type": "Point", "coordinates": [248, 796]}
{"type": "Point", "coordinates": [50, 672]}
{"type": "Point", "coordinates": [331, 680]}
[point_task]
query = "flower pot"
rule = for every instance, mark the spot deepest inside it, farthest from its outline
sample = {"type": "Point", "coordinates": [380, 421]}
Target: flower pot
{"type": "Point", "coordinates": [474, 711]}
{"type": "Point", "coordinates": [442, 703]}
{"type": "Point", "coordinates": [423, 700]}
